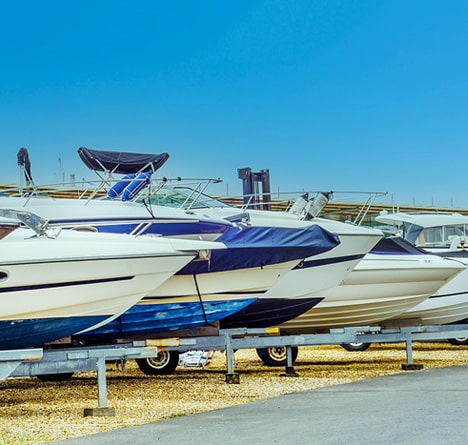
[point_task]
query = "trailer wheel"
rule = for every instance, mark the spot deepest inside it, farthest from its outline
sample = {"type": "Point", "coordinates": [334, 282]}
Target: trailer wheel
{"type": "Point", "coordinates": [458, 341]}
{"type": "Point", "coordinates": [55, 377]}
{"type": "Point", "coordinates": [352, 347]}
{"type": "Point", "coordinates": [162, 364]}
{"type": "Point", "coordinates": [276, 356]}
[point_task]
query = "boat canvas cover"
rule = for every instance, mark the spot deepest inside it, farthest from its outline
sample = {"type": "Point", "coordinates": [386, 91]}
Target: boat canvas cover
{"type": "Point", "coordinates": [250, 247]}
{"type": "Point", "coordinates": [120, 161]}
{"type": "Point", "coordinates": [396, 245]}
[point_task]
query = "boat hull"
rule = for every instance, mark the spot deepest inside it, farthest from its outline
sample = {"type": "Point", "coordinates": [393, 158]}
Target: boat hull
{"type": "Point", "coordinates": [316, 274]}
{"type": "Point", "coordinates": [443, 234]}
{"type": "Point", "coordinates": [118, 217]}
{"type": "Point", "coordinates": [89, 287]}
{"type": "Point", "coordinates": [448, 305]}
{"type": "Point", "coordinates": [380, 287]}
{"type": "Point", "coordinates": [269, 312]}
{"type": "Point", "coordinates": [225, 285]}
{"type": "Point", "coordinates": [147, 318]}
{"type": "Point", "coordinates": [22, 334]}
{"type": "Point", "coordinates": [53, 288]}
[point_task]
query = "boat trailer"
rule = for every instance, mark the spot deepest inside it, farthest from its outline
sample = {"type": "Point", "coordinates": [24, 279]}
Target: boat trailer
{"type": "Point", "coordinates": [70, 359]}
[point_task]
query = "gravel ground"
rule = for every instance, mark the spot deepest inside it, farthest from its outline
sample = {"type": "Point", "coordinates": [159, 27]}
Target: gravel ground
{"type": "Point", "coordinates": [35, 412]}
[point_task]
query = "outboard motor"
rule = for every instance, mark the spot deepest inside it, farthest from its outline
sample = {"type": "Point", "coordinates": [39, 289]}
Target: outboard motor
{"type": "Point", "coordinates": [316, 205]}
{"type": "Point", "coordinates": [299, 205]}
{"type": "Point", "coordinates": [307, 208]}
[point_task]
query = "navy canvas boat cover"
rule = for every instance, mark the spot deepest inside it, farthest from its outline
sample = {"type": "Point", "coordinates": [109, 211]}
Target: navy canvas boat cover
{"type": "Point", "coordinates": [120, 161]}
{"type": "Point", "coordinates": [396, 245]}
{"type": "Point", "coordinates": [260, 246]}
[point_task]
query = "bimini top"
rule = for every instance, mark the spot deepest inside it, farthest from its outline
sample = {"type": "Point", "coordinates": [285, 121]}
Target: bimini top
{"type": "Point", "coordinates": [121, 162]}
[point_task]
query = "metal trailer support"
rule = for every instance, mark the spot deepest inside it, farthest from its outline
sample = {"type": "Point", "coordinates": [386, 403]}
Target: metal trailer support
{"type": "Point", "coordinates": [231, 375]}
{"type": "Point", "coordinates": [230, 340]}
{"type": "Point", "coordinates": [81, 359]}
{"type": "Point", "coordinates": [67, 360]}
{"type": "Point", "coordinates": [100, 356]}
{"type": "Point", "coordinates": [10, 360]}
{"type": "Point", "coordinates": [289, 372]}
{"type": "Point", "coordinates": [409, 365]}
{"type": "Point", "coordinates": [102, 409]}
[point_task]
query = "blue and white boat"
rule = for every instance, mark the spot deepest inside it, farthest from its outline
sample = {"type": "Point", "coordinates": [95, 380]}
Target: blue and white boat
{"type": "Point", "coordinates": [235, 278]}
{"type": "Point", "coordinates": [317, 275]}
{"type": "Point", "coordinates": [379, 285]}
{"type": "Point", "coordinates": [255, 260]}
{"type": "Point", "coordinates": [53, 285]}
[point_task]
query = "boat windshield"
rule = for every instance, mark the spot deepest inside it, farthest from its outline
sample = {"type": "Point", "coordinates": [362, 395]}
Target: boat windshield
{"type": "Point", "coordinates": [441, 236]}
{"type": "Point", "coordinates": [181, 197]}
{"type": "Point", "coordinates": [412, 232]}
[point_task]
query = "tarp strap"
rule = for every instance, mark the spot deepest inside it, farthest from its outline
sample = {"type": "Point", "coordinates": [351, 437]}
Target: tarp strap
{"type": "Point", "coordinates": [200, 298]}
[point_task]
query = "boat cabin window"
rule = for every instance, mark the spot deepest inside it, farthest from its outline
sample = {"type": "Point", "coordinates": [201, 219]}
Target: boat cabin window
{"type": "Point", "coordinates": [430, 237]}
{"type": "Point", "coordinates": [441, 236]}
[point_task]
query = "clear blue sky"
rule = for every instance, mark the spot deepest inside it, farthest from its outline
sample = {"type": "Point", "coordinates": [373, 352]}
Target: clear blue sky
{"type": "Point", "coordinates": [365, 95]}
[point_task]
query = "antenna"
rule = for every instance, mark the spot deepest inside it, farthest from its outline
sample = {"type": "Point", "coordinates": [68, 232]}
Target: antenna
{"type": "Point", "coordinates": [60, 168]}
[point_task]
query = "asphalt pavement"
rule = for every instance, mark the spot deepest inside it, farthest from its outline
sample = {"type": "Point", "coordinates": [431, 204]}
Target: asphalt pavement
{"type": "Point", "coordinates": [413, 407]}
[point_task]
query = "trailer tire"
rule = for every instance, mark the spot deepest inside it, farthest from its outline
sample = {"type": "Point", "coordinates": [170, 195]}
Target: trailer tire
{"type": "Point", "coordinates": [276, 356]}
{"type": "Point", "coordinates": [55, 377]}
{"type": "Point", "coordinates": [459, 341]}
{"type": "Point", "coordinates": [162, 364]}
{"type": "Point", "coordinates": [354, 347]}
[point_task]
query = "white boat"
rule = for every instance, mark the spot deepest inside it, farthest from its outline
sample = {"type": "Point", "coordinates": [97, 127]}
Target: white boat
{"type": "Point", "coordinates": [236, 281]}
{"type": "Point", "coordinates": [370, 288]}
{"type": "Point", "coordinates": [201, 217]}
{"type": "Point", "coordinates": [315, 275]}
{"type": "Point", "coordinates": [392, 279]}
{"type": "Point", "coordinates": [320, 276]}
{"type": "Point", "coordinates": [251, 266]}
{"type": "Point", "coordinates": [54, 287]}
{"type": "Point", "coordinates": [208, 224]}
{"type": "Point", "coordinates": [432, 231]}
{"type": "Point", "coordinates": [443, 234]}
{"type": "Point", "coordinates": [257, 257]}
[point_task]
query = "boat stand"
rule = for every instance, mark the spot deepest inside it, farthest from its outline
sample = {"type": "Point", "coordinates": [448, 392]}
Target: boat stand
{"type": "Point", "coordinates": [66, 361]}
{"type": "Point", "coordinates": [10, 360]}
{"type": "Point", "coordinates": [289, 371]}
{"type": "Point", "coordinates": [230, 340]}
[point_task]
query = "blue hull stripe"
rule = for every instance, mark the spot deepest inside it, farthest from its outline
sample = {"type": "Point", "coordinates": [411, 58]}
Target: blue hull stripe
{"type": "Point", "coordinates": [169, 227]}
{"type": "Point", "coordinates": [63, 284]}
